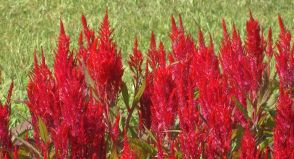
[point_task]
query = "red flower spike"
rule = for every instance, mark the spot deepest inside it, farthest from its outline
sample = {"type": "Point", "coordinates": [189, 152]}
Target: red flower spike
{"type": "Point", "coordinates": [152, 53]}
{"type": "Point", "coordinates": [61, 64]}
{"type": "Point", "coordinates": [285, 58]}
{"type": "Point", "coordinates": [201, 43]}
{"type": "Point", "coordinates": [105, 65]}
{"type": "Point", "coordinates": [248, 146]}
{"type": "Point", "coordinates": [174, 29]}
{"type": "Point", "coordinates": [145, 100]}
{"type": "Point", "coordinates": [217, 112]}
{"type": "Point", "coordinates": [254, 46]}
{"type": "Point", "coordinates": [161, 55]}
{"type": "Point", "coordinates": [89, 34]}
{"type": "Point", "coordinates": [188, 114]}
{"type": "Point", "coordinates": [225, 31]}
{"type": "Point", "coordinates": [284, 127]}
{"type": "Point", "coordinates": [135, 61]}
{"type": "Point", "coordinates": [183, 46]}
{"type": "Point", "coordinates": [15, 152]}
{"type": "Point", "coordinates": [163, 98]}
{"type": "Point", "coordinates": [269, 45]}
{"type": "Point", "coordinates": [105, 31]}
{"type": "Point", "coordinates": [62, 102]}
{"type": "Point", "coordinates": [5, 136]}
{"type": "Point", "coordinates": [181, 28]}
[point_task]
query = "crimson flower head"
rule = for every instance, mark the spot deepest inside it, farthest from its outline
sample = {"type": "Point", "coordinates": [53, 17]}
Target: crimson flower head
{"type": "Point", "coordinates": [5, 110]}
{"type": "Point", "coordinates": [285, 57]}
{"type": "Point", "coordinates": [61, 99]}
{"type": "Point", "coordinates": [105, 64]}
{"type": "Point", "coordinates": [164, 105]}
{"type": "Point", "coordinates": [255, 48]}
{"type": "Point", "coordinates": [136, 60]}
{"type": "Point", "coordinates": [248, 146]}
{"type": "Point", "coordinates": [284, 126]}
{"type": "Point", "coordinates": [156, 57]}
{"type": "Point", "coordinates": [183, 46]}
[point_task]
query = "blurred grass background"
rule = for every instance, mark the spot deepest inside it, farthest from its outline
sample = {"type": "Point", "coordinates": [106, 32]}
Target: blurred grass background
{"type": "Point", "coordinates": [26, 25]}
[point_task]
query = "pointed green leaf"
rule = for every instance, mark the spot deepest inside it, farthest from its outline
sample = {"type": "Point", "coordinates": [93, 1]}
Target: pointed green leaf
{"type": "Point", "coordinates": [240, 107]}
{"type": "Point", "coordinates": [125, 94]}
{"type": "Point", "coordinates": [43, 130]}
{"type": "Point", "coordinates": [139, 93]}
{"type": "Point", "coordinates": [250, 108]}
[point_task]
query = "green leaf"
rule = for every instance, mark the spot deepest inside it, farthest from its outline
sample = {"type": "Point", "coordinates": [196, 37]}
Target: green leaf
{"type": "Point", "coordinates": [43, 130]}
{"type": "Point", "coordinates": [240, 107]}
{"type": "Point", "coordinates": [142, 148]}
{"type": "Point", "coordinates": [139, 93]}
{"type": "Point", "coordinates": [125, 94]}
{"type": "Point", "coordinates": [196, 94]}
{"type": "Point", "coordinates": [29, 146]}
{"type": "Point", "coordinates": [236, 139]}
{"type": "Point", "coordinates": [250, 108]}
{"type": "Point", "coordinates": [113, 154]}
{"type": "Point", "coordinates": [89, 81]}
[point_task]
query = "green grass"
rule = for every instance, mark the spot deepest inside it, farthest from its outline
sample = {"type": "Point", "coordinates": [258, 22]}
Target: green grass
{"type": "Point", "coordinates": [29, 24]}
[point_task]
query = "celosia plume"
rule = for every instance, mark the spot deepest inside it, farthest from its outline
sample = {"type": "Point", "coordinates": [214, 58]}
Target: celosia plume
{"type": "Point", "coordinates": [105, 65]}
{"type": "Point", "coordinates": [6, 145]}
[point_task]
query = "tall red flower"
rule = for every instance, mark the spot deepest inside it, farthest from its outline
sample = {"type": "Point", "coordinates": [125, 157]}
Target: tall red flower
{"type": "Point", "coordinates": [232, 58]}
{"type": "Point", "coordinates": [285, 57]}
{"type": "Point", "coordinates": [105, 65]}
{"type": "Point", "coordinates": [163, 99]}
{"type": "Point", "coordinates": [255, 47]}
{"type": "Point", "coordinates": [5, 136]}
{"type": "Point", "coordinates": [215, 100]}
{"type": "Point", "coordinates": [248, 146]}
{"type": "Point", "coordinates": [183, 46]}
{"type": "Point", "coordinates": [188, 112]}
{"type": "Point", "coordinates": [284, 127]}
{"type": "Point", "coordinates": [61, 99]}
{"type": "Point", "coordinates": [135, 63]}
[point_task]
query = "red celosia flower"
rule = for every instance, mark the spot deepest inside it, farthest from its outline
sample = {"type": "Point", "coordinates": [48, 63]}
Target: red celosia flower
{"type": "Point", "coordinates": [188, 115]}
{"type": "Point", "coordinates": [254, 46]}
{"type": "Point", "coordinates": [136, 59]}
{"type": "Point", "coordinates": [41, 94]}
{"type": "Point", "coordinates": [248, 146]}
{"type": "Point", "coordinates": [232, 58]}
{"type": "Point", "coordinates": [284, 127]}
{"type": "Point", "coordinates": [183, 46]}
{"type": "Point", "coordinates": [163, 98]}
{"type": "Point", "coordinates": [68, 110]}
{"type": "Point", "coordinates": [105, 65]}
{"type": "Point", "coordinates": [285, 57]}
{"type": "Point", "coordinates": [156, 57]}
{"type": "Point", "coordinates": [215, 100]}
{"type": "Point", "coordinates": [145, 101]}
{"type": "Point", "coordinates": [269, 45]}
{"type": "Point", "coordinates": [135, 63]}
{"type": "Point", "coordinates": [5, 137]}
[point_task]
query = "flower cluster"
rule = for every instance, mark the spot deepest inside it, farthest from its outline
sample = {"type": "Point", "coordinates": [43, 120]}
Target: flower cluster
{"type": "Point", "coordinates": [186, 102]}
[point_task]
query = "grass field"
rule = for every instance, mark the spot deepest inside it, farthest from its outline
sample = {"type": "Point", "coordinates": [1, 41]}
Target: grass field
{"type": "Point", "coordinates": [29, 24]}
